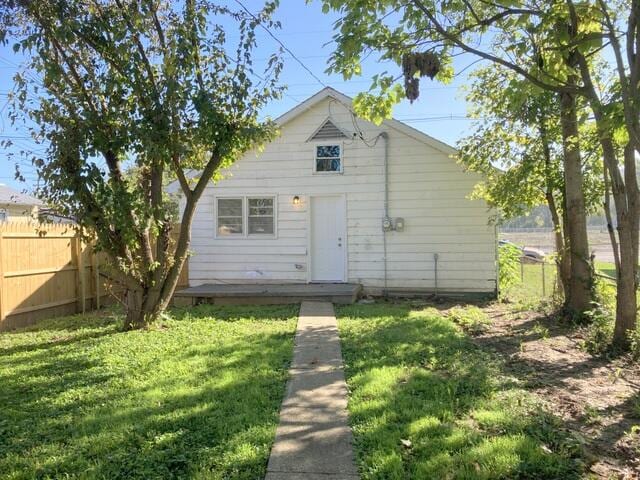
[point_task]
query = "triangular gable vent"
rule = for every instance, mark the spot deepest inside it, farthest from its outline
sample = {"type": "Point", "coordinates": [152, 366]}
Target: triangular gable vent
{"type": "Point", "coordinates": [326, 131]}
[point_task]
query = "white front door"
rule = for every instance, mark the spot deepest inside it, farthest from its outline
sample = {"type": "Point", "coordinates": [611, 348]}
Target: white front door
{"type": "Point", "coordinates": [328, 238]}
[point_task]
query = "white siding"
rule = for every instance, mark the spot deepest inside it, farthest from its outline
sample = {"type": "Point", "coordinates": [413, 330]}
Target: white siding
{"type": "Point", "coordinates": [19, 213]}
{"type": "Point", "coordinates": [427, 188]}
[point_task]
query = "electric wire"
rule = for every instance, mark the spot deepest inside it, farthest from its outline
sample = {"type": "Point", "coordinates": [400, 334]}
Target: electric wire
{"type": "Point", "coordinates": [287, 49]}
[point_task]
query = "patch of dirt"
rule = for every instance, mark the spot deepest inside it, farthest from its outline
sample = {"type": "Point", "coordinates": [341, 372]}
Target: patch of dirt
{"type": "Point", "coordinates": [598, 398]}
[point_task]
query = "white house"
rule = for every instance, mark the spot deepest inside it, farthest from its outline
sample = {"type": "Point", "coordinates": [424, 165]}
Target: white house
{"type": "Point", "coordinates": [337, 199]}
{"type": "Point", "coordinates": [16, 206]}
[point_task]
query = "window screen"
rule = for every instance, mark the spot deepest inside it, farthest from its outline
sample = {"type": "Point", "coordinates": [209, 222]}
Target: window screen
{"type": "Point", "coordinates": [230, 216]}
{"type": "Point", "coordinates": [260, 216]}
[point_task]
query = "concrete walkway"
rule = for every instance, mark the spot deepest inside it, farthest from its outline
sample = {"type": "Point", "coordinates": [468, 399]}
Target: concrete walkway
{"type": "Point", "coordinates": [313, 440]}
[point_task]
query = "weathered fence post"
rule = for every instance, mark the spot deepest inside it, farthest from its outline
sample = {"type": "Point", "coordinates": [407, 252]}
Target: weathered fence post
{"type": "Point", "coordinates": [2, 314]}
{"type": "Point", "coordinates": [81, 287]}
{"type": "Point", "coordinates": [96, 278]}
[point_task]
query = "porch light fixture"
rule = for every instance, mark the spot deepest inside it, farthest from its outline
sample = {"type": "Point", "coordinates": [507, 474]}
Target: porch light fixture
{"type": "Point", "coordinates": [296, 200]}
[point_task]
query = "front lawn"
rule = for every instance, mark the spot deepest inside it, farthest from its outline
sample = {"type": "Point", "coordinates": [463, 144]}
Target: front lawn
{"type": "Point", "coordinates": [426, 403]}
{"type": "Point", "coordinates": [195, 397]}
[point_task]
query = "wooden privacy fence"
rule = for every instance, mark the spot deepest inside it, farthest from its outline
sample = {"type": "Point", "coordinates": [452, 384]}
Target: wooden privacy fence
{"type": "Point", "coordinates": [47, 270]}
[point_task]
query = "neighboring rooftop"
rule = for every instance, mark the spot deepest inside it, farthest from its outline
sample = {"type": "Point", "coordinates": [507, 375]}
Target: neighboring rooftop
{"type": "Point", "coordinates": [9, 195]}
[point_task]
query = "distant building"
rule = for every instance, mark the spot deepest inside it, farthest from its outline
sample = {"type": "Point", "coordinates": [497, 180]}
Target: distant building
{"type": "Point", "coordinates": [50, 215]}
{"type": "Point", "coordinates": [16, 206]}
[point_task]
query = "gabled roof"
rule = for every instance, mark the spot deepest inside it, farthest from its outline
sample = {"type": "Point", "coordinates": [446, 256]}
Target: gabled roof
{"type": "Point", "coordinates": [347, 101]}
{"type": "Point", "coordinates": [10, 196]}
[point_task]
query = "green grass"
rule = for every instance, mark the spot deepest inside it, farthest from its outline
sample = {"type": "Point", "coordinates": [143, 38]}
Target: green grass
{"type": "Point", "coordinates": [606, 268]}
{"type": "Point", "coordinates": [196, 397]}
{"type": "Point", "coordinates": [530, 288]}
{"type": "Point", "coordinates": [426, 403]}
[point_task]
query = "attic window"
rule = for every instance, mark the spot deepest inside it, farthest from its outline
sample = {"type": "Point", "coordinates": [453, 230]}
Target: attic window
{"type": "Point", "coordinates": [328, 159]}
{"type": "Point", "coordinates": [326, 131]}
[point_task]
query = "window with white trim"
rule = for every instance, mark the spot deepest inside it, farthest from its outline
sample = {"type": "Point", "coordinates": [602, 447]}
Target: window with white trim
{"type": "Point", "coordinates": [230, 216]}
{"type": "Point", "coordinates": [260, 217]}
{"type": "Point", "coordinates": [328, 159]}
{"type": "Point", "coordinates": [249, 216]}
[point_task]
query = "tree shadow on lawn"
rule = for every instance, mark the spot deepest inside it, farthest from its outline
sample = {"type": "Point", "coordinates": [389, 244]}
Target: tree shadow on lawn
{"type": "Point", "coordinates": [426, 403]}
{"type": "Point", "coordinates": [196, 399]}
{"type": "Point", "coordinates": [596, 395]}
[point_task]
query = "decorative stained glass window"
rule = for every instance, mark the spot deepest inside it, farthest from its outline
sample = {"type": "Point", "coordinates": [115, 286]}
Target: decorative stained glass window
{"type": "Point", "coordinates": [328, 158]}
{"type": "Point", "coordinates": [260, 217]}
{"type": "Point", "coordinates": [230, 216]}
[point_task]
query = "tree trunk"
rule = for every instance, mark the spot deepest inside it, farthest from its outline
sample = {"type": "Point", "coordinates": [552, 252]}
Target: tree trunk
{"type": "Point", "coordinates": [625, 190]}
{"type": "Point", "coordinates": [628, 226]}
{"type": "Point", "coordinates": [625, 196]}
{"type": "Point", "coordinates": [562, 259]}
{"type": "Point", "coordinates": [147, 304]}
{"type": "Point", "coordinates": [565, 259]}
{"type": "Point", "coordinates": [144, 305]}
{"type": "Point", "coordinates": [579, 294]}
{"type": "Point", "coordinates": [135, 317]}
{"type": "Point", "coordinates": [626, 300]}
{"type": "Point", "coordinates": [607, 214]}
{"type": "Point", "coordinates": [626, 199]}
{"type": "Point", "coordinates": [562, 263]}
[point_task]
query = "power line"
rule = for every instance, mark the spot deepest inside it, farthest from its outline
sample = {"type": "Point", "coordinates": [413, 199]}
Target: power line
{"type": "Point", "coordinates": [306, 57]}
{"type": "Point", "coordinates": [349, 82]}
{"type": "Point", "coordinates": [306, 32]}
{"type": "Point", "coordinates": [9, 62]}
{"type": "Point", "coordinates": [281, 44]}
{"type": "Point", "coordinates": [444, 119]}
{"type": "Point", "coordinates": [261, 78]}
{"type": "Point", "coordinates": [356, 92]}
{"type": "Point", "coordinates": [442, 116]}
{"type": "Point", "coordinates": [15, 137]}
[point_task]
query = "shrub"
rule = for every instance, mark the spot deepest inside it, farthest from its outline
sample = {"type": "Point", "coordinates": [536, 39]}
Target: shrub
{"type": "Point", "coordinates": [509, 266]}
{"type": "Point", "coordinates": [605, 293]}
{"type": "Point", "coordinates": [635, 343]}
{"type": "Point", "coordinates": [599, 332]}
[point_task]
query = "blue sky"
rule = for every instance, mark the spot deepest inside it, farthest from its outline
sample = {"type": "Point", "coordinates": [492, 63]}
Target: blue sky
{"type": "Point", "coordinates": [305, 31]}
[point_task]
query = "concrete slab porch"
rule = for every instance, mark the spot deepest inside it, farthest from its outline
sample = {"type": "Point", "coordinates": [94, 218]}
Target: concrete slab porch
{"type": "Point", "coordinates": [268, 293]}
